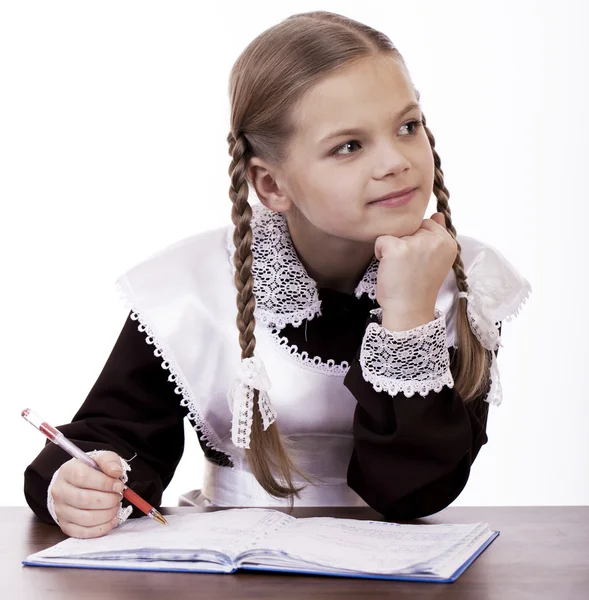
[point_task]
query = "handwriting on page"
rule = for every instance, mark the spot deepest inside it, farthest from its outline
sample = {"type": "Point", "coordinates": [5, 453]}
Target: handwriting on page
{"type": "Point", "coordinates": [226, 532]}
{"type": "Point", "coordinates": [364, 545]}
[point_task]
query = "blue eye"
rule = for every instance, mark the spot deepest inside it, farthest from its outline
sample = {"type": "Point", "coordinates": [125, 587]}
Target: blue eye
{"type": "Point", "coordinates": [416, 123]}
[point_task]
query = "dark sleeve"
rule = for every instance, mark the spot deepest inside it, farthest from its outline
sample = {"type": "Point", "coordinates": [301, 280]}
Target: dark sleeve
{"type": "Point", "coordinates": [412, 456]}
{"type": "Point", "coordinates": [131, 409]}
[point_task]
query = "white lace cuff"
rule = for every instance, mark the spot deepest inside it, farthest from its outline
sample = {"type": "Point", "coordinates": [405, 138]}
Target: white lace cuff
{"type": "Point", "coordinates": [416, 360]}
{"type": "Point", "coordinates": [122, 514]}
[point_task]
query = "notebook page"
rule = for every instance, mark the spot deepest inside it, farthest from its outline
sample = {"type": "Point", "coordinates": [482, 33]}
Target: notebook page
{"type": "Point", "coordinates": [448, 562]}
{"type": "Point", "coordinates": [357, 546]}
{"type": "Point", "coordinates": [203, 536]}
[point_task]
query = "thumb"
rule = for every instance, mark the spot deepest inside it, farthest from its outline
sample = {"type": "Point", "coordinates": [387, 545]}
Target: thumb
{"type": "Point", "coordinates": [110, 463]}
{"type": "Point", "coordinates": [439, 218]}
{"type": "Point", "coordinates": [380, 245]}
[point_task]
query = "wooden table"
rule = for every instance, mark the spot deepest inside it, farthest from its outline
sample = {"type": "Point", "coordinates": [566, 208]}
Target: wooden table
{"type": "Point", "coordinates": [542, 552]}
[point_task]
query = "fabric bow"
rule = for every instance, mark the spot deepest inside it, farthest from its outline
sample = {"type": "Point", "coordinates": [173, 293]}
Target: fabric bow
{"type": "Point", "coordinates": [250, 375]}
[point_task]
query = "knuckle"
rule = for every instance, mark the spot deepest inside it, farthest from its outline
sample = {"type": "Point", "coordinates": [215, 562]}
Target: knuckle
{"type": "Point", "coordinates": [66, 469]}
{"type": "Point", "coordinates": [105, 457]}
{"type": "Point", "coordinates": [77, 477]}
{"type": "Point", "coordinates": [85, 518]}
{"type": "Point", "coordinates": [80, 498]}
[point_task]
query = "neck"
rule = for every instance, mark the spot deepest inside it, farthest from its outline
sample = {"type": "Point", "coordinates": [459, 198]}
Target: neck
{"type": "Point", "coordinates": [333, 262]}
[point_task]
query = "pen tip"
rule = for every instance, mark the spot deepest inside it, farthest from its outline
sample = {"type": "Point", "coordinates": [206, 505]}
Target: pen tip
{"type": "Point", "coordinates": [159, 518]}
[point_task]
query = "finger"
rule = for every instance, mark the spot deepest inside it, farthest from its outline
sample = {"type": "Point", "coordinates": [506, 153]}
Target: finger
{"type": "Point", "coordinates": [385, 242]}
{"type": "Point", "coordinates": [439, 218]}
{"type": "Point", "coordinates": [86, 518]}
{"type": "Point", "coordinates": [78, 531]}
{"type": "Point", "coordinates": [435, 221]}
{"type": "Point", "coordinates": [83, 476]}
{"type": "Point", "coordinates": [80, 498]}
{"type": "Point", "coordinates": [433, 226]}
{"type": "Point", "coordinates": [110, 463]}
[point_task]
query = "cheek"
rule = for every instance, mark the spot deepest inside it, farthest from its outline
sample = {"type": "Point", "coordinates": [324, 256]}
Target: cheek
{"type": "Point", "coordinates": [426, 161]}
{"type": "Point", "coordinates": [326, 190]}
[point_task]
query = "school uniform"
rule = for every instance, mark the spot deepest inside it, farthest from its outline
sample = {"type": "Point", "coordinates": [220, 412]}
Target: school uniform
{"type": "Point", "coordinates": [373, 414]}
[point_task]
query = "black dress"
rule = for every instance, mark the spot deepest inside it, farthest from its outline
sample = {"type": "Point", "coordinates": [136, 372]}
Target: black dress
{"type": "Point", "coordinates": [411, 458]}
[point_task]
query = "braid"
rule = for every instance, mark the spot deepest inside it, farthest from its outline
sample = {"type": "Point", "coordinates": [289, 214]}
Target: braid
{"type": "Point", "coordinates": [471, 360]}
{"type": "Point", "coordinates": [241, 214]}
{"type": "Point", "coordinates": [441, 193]}
{"type": "Point", "coordinates": [267, 453]}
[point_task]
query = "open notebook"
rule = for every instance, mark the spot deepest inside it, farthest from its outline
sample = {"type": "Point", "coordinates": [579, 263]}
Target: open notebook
{"type": "Point", "coordinates": [264, 539]}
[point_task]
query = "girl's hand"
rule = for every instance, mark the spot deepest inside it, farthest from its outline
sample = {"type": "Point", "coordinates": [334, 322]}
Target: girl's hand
{"type": "Point", "coordinates": [86, 501]}
{"type": "Point", "coordinates": [412, 269]}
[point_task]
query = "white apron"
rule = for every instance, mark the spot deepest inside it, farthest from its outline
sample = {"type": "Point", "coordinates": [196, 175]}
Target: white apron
{"type": "Point", "coordinates": [184, 298]}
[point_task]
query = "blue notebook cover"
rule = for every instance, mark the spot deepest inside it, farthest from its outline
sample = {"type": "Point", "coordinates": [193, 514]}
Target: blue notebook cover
{"type": "Point", "coordinates": [170, 569]}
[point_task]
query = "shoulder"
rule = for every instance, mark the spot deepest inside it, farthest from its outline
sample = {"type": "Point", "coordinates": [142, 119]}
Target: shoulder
{"type": "Point", "coordinates": [197, 267]}
{"type": "Point", "coordinates": [210, 243]}
{"type": "Point", "coordinates": [201, 252]}
{"type": "Point", "coordinates": [499, 286]}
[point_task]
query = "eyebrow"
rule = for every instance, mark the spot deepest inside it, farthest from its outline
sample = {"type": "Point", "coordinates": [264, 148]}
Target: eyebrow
{"type": "Point", "coordinates": [357, 131]}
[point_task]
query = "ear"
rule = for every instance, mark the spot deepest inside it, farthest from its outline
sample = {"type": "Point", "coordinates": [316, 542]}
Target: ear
{"type": "Point", "coordinates": [268, 186]}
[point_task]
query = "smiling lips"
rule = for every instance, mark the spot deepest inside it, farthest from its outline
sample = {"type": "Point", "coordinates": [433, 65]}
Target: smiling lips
{"type": "Point", "coordinates": [399, 198]}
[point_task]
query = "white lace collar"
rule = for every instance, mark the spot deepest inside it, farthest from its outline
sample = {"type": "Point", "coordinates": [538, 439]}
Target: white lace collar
{"type": "Point", "coordinates": [285, 293]}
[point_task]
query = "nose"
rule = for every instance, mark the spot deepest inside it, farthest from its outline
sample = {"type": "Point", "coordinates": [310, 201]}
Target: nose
{"type": "Point", "coordinates": [391, 159]}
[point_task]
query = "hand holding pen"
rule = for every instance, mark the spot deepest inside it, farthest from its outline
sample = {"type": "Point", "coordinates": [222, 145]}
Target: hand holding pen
{"type": "Point", "coordinates": [87, 499]}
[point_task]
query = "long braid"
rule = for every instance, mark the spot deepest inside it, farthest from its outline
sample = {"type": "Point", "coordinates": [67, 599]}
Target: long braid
{"type": "Point", "coordinates": [471, 357]}
{"type": "Point", "coordinates": [241, 214]}
{"type": "Point", "coordinates": [266, 458]}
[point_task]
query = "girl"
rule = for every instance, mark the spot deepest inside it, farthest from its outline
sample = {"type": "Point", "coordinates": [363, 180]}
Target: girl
{"type": "Point", "coordinates": [364, 358]}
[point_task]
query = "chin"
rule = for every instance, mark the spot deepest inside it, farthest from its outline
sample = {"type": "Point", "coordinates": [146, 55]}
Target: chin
{"type": "Point", "coordinates": [399, 225]}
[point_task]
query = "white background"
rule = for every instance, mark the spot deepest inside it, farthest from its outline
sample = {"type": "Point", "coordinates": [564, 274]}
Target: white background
{"type": "Point", "coordinates": [113, 118]}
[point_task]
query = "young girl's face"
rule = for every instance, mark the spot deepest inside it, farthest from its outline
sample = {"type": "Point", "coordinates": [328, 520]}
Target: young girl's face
{"type": "Point", "coordinates": [332, 180]}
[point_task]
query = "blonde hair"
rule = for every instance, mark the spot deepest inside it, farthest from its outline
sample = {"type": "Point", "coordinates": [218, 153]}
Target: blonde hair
{"type": "Point", "coordinates": [266, 82]}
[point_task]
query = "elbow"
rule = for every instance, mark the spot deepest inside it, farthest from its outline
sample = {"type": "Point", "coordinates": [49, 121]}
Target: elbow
{"type": "Point", "coordinates": [425, 500]}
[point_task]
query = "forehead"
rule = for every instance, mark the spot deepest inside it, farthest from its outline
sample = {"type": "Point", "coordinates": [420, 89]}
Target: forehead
{"type": "Point", "coordinates": [373, 87]}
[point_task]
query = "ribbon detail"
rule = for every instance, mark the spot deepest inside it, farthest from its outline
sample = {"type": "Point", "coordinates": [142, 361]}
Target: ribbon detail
{"type": "Point", "coordinates": [251, 375]}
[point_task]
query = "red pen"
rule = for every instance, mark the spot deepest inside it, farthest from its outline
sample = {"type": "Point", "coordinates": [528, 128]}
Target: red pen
{"type": "Point", "coordinates": [59, 439]}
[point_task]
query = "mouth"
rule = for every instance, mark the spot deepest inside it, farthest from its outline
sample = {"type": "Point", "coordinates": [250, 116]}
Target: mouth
{"type": "Point", "coordinates": [399, 198]}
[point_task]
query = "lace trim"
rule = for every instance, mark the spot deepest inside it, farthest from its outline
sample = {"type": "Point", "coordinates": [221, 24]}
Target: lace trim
{"type": "Point", "coordinates": [284, 291]}
{"type": "Point", "coordinates": [368, 283]}
{"type": "Point", "coordinates": [195, 415]}
{"type": "Point", "coordinates": [122, 513]}
{"type": "Point", "coordinates": [416, 360]}
{"type": "Point", "coordinates": [512, 309]}
{"type": "Point", "coordinates": [251, 376]}
{"type": "Point", "coordinates": [495, 395]}
{"type": "Point", "coordinates": [329, 367]}
{"type": "Point", "coordinates": [286, 294]}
